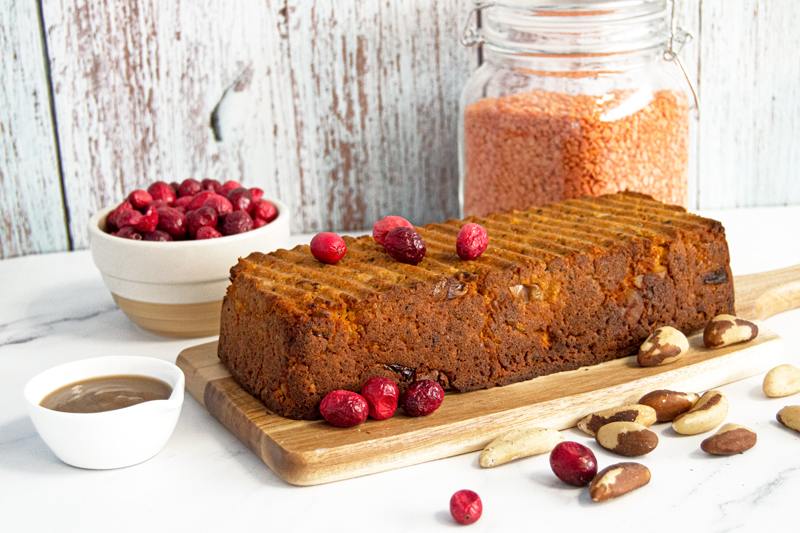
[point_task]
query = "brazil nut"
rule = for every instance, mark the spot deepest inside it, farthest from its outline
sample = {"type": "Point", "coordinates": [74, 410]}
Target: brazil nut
{"type": "Point", "coordinates": [709, 412]}
{"type": "Point", "coordinates": [723, 330]}
{"type": "Point", "coordinates": [617, 480]}
{"type": "Point", "coordinates": [729, 440]}
{"type": "Point", "coordinates": [517, 444]}
{"type": "Point", "coordinates": [627, 438]}
{"type": "Point", "coordinates": [783, 380]}
{"type": "Point", "coordinates": [668, 404]}
{"type": "Point", "coordinates": [789, 416]}
{"type": "Point", "coordinates": [641, 414]}
{"type": "Point", "coordinates": [665, 345]}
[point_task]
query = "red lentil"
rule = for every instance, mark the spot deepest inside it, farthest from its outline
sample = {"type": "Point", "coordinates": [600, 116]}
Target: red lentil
{"type": "Point", "coordinates": [542, 147]}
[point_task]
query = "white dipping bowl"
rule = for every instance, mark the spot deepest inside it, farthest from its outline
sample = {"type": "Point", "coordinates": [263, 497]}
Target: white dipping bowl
{"type": "Point", "coordinates": [175, 289]}
{"type": "Point", "coordinates": [110, 439]}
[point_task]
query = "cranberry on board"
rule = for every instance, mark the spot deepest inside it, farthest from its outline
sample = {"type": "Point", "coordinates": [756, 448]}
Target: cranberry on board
{"type": "Point", "coordinates": [236, 222]}
{"type": "Point", "coordinates": [161, 190]}
{"type": "Point", "coordinates": [387, 224]}
{"type": "Point", "coordinates": [422, 398]}
{"type": "Point", "coordinates": [328, 247]}
{"type": "Point", "coordinates": [405, 245]}
{"type": "Point", "coordinates": [382, 396]}
{"type": "Point", "coordinates": [189, 187]}
{"type": "Point", "coordinates": [344, 409]}
{"type": "Point", "coordinates": [573, 463]}
{"type": "Point", "coordinates": [472, 241]}
{"type": "Point", "coordinates": [466, 507]}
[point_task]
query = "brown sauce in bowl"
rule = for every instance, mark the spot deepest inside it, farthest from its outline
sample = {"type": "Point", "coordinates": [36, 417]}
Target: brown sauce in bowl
{"type": "Point", "coordinates": [106, 393]}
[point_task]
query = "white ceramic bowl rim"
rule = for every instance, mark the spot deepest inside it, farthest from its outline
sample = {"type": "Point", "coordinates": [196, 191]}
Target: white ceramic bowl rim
{"type": "Point", "coordinates": [96, 232]}
{"type": "Point", "coordinates": [113, 365]}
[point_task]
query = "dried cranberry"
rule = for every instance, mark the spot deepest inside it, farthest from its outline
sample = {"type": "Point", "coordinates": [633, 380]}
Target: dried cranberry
{"type": "Point", "coordinates": [199, 199]}
{"type": "Point", "coordinates": [257, 193]}
{"type": "Point", "coordinates": [157, 235]}
{"type": "Point", "coordinates": [344, 409]}
{"type": "Point", "coordinates": [207, 232]}
{"type": "Point", "coordinates": [328, 247]}
{"type": "Point", "coordinates": [158, 203]}
{"type": "Point", "coordinates": [172, 221]}
{"type": "Point", "coordinates": [129, 232]}
{"type": "Point", "coordinates": [422, 398]}
{"type": "Point", "coordinates": [471, 241]}
{"type": "Point", "coordinates": [236, 222]}
{"type": "Point", "coordinates": [203, 216]}
{"type": "Point", "coordinates": [241, 198]}
{"type": "Point", "coordinates": [466, 506]}
{"type": "Point", "coordinates": [128, 218]}
{"type": "Point", "coordinates": [139, 199]}
{"type": "Point", "coordinates": [405, 245]}
{"type": "Point", "coordinates": [210, 185]}
{"type": "Point", "coordinates": [227, 187]}
{"type": "Point", "coordinates": [382, 396]}
{"type": "Point", "coordinates": [387, 224]}
{"type": "Point", "coordinates": [189, 187]}
{"type": "Point", "coordinates": [175, 186]}
{"type": "Point", "coordinates": [265, 209]}
{"type": "Point", "coordinates": [149, 221]}
{"type": "Point", "coordinates": [573, 463]}
{"type": "Point", "coordinates": [111, 219]}
{"type": "Point", "coordinates": [161, 190]}
{"type": "Point", "coordinates": [182, 202]}
{"type": "Point", "coordinates": [220, 204]}
{"type": "Point", "coordinates": [259, 223]}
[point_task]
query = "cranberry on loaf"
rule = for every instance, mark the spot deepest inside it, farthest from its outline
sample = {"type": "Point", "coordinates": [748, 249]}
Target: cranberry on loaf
{"type": "Point", "coordinates": [559, 287]}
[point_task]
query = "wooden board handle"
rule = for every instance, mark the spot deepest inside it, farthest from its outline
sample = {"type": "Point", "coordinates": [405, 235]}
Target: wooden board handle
{"type": "Point", "coordinates": [762, 295]}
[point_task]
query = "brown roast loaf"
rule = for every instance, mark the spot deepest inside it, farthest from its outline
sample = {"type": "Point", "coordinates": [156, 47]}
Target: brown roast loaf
{"type": "Point", "coordinates": [559, 287]}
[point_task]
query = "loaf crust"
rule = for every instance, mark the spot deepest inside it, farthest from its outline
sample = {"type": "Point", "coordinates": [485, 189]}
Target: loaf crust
{"type": "Point", "coordinates": [559, 287]}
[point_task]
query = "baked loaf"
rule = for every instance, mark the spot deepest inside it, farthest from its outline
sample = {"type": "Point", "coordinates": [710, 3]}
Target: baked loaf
{"type": "Point", "coordinates": [559, 287]}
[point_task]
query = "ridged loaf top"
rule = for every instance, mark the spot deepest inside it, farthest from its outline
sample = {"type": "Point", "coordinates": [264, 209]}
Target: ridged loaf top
{"type": "Point", "coordinates": [535, 235]}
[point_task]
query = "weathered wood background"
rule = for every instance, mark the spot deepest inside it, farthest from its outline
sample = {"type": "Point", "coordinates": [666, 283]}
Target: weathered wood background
{"type": "Point", "coordinates": [345, 109]}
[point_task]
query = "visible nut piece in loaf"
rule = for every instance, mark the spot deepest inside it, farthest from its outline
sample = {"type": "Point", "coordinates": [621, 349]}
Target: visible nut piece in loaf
{"type": "Point", "coordinates": [559, 287]}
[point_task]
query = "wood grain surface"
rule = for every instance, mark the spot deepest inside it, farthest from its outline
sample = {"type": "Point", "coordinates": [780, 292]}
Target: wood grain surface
{"type": "Point", "coordinates": [314, 452]}
{"type": "Point", "coordinates": [345, 109]}
{"type": "Point", "coordinates": [32, 213]}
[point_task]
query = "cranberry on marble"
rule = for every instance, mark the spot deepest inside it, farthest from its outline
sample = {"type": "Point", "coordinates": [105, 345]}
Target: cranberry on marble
{"type": "Point", "coordinates": [466, 507]}
{"type": "Point", "coordinates": [573, 463]}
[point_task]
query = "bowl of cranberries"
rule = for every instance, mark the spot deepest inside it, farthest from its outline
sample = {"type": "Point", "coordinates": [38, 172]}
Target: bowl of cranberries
{"type": "Point", "coordinates": [165, 252]}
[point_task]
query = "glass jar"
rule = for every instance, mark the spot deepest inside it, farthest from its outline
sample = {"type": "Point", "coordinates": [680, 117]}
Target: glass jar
{"type": "Point", "coordinates": [574, 99]}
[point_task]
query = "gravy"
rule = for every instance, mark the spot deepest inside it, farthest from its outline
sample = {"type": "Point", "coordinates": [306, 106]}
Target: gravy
{"type": "Point", "coordinates": [106, 393]}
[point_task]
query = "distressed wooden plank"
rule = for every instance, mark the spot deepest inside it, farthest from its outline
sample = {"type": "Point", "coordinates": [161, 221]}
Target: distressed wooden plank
{"type": "Point", "coordinates": [31, 206]}
{"type": "Point", "coordinates": [750, 94]}
{"type": "Point", "coordinates": [348, 111]}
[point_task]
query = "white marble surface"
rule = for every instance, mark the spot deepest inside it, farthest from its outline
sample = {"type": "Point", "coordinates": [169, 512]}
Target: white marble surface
{"type": "Point", "coordinates": [55, 309]}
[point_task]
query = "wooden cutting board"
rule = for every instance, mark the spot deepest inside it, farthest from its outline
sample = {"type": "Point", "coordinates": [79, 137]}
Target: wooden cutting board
{"type": "Point", "coordinates": [315, 452]}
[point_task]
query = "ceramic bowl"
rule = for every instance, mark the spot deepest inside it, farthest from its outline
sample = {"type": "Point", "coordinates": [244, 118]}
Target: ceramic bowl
{"type": "Point", "coordinates": [110, 439]}
{"type": "Point", "coordinates": [175, 289]}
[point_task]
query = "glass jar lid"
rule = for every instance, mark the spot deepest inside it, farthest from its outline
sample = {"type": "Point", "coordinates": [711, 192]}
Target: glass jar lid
{"type": "Point", "coordinates": [554, 27]}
